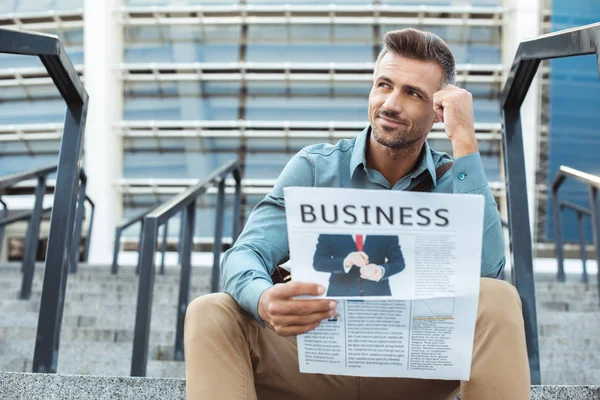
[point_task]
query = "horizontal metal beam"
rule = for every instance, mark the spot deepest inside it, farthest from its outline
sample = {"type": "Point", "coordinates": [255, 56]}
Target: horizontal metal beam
{"type": "Point", "coordinates": [49, 20]}
{"type": "Point", "coordinates": [313, 14]}
{"type": "Point", "coordinates": [568, 172]}
{"type": "Point", "coordinates": [575, 207]}
{"type": "Point", "coordinates": [14, 179]}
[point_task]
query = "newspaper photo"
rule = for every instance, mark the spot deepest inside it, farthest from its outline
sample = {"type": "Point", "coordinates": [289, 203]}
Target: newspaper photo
{"type": "Point", "coordinates": [404, 269]}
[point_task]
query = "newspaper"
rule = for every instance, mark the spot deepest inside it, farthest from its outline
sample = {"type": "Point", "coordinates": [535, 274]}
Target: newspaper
{"type": "Point", "coordinates": [404, 270]}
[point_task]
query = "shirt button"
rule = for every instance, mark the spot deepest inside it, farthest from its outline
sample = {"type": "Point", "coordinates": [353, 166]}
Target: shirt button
{"type": "Point", "coordinates": [461, 177]}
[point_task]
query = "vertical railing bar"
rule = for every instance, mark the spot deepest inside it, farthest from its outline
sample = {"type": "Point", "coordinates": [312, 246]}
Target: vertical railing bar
{"type": "Point", "coordinates": [79, 216]}
{"type": "Point", "coordinates": [164, 247]}
{"type": "Point", "coordinates": [141, 336]}
{"type": "Point", "coordinates": [595, 217]}
{"type": "Point", "coordinates": [218, 240]}
{"type": "Point", "coordinates": [139, 249]}
{"type": "Point", "coordinates": [88, 238]}
{"type": "Point", "coordinates": [520, 231]}
{"type": "Point", "coordinates": [45, 358]}
{"type": "Point", "coordinates": [558, 239]}
{"type": "Point", "coordinates": [4, 215]}
{"type": "Point", "coordinates": [185, 276]}
{"type": "Point", "coordinates": [32, 239]}
{"type": "Point", "coordinates": [115, 264]}
{"type": "Point", "coordinates": [582, 250]}
{"type": "Point", "coordinates": [181, 233]}
{"type": "Point", "coordinates": [237, 206]}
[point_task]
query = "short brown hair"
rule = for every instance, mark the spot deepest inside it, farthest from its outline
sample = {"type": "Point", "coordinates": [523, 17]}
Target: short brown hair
{"type": "Point", "coordinates": [420, 45]}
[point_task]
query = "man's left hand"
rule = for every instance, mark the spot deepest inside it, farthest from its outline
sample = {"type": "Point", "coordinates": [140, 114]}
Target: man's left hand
{"type": "Point", "coordinates": [454, 107]}
{"type": "Point", "coordinates": [371, 272]}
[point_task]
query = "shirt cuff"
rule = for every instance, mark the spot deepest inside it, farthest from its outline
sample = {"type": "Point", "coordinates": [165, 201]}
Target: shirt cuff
{"type": "Point", "coordinates": [250, 295]}
{"type": "Point", "coordinates": [347, 269]}
{"type": "Point", "coordinates": [468, 173]}
{"type": "Point", "coordinates": [382, 273]}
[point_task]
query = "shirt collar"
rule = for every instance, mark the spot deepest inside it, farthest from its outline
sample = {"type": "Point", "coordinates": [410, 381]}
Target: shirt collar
{"type": "Point", "coordinates": [358, 158]}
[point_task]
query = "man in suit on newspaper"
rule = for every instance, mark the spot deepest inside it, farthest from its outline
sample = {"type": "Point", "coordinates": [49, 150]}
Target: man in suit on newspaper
{"type": "Point", "coordinates": [359, 265]}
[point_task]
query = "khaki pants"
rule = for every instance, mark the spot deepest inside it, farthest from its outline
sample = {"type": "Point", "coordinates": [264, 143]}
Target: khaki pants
{"type": "Point", "coordinates": [230, 356]}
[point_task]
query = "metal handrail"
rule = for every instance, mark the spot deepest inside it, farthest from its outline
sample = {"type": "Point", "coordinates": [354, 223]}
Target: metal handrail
{"type": "Point", "coordinates": [593, 183]}
{"type": "Point", "coordinates": [53, 56]}
{"type": "Point", "coordinates": [185, 203]}
{"type": "Point", "coordinates": [34, 217]}
{"type": "Point", "coordinates": [580, 212]}
{"type": "Point", "coordinates": [565, 43]}
{"type": "Point", "coordinates": [119, 233]}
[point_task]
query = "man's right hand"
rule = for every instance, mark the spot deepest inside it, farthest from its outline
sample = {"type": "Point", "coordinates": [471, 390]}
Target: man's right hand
{"type": "Point", "coordinates": [358, 258]}
{"type": "Point", "coordinates": [288, 316]}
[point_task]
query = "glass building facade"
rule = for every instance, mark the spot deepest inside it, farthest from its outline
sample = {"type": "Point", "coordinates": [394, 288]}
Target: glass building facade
{"type": "Point", "coordinates": [573, 98]}
{"type": "Point", "coordinates": [205, 82]}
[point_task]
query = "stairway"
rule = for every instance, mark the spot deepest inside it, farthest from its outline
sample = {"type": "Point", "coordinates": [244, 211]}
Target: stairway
{"type": "Point", "coordinates": [97, 331]}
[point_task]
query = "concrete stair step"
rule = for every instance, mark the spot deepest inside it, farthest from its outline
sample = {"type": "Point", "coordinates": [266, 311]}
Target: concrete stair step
{"type": "Point", "coordinates": [57, 386]}
{"type": "Point", "coordinates": [157, 335]}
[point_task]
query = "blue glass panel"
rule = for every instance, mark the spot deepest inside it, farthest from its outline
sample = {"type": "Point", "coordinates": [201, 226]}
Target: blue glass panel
{"type": "Point", "coordinates": [180, 43]}
{"type": "Point", "coordinates": [15, 164]}
{"type": "Point", "coordinates": [179, 2]}
{"type": "Point", "coordinates": [32, 111]}
{"type": "Point", "coordinates": [478, 3]}
{"type": "Point", "coordinates": [310, 43]}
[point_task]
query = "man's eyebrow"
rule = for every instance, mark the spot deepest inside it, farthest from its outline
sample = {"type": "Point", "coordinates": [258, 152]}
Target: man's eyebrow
{"type": "Point", "coordinates": [384, 78]}
{"type": "Point", "coordinates": [417, 89]}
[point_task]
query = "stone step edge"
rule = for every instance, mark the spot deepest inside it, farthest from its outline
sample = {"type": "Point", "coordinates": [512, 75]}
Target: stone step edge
{"type": "Point", "coordinates": [14, 385]}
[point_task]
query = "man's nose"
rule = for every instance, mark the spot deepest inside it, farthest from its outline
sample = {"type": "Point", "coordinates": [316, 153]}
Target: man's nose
{"type": "Point", "coordinates": [393, 103]}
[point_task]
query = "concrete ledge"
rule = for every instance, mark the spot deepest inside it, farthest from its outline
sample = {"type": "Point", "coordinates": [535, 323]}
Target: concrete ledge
{"type": "Point", "coordinates": [17, 386]}
{"type": "Point", "coordinates": [21, 386]}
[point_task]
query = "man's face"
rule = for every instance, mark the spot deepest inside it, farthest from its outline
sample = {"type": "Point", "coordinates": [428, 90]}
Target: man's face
{"type": "Point", "coordinates": [401, 101]}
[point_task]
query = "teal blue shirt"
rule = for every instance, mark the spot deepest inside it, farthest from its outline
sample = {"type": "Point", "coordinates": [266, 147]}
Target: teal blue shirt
{"type": "Point", "coordinates": [263, 245]}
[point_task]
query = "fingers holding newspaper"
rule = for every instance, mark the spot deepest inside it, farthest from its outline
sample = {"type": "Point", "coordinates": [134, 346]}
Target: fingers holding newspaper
{"type": "Point", "coordinates": [288, 316]}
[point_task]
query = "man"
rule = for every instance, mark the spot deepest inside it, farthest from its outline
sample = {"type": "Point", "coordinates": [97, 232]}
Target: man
{"type": "Point", "coordinates": [359, 265]}
{"type": "Point", "coordinates": [242, 345]}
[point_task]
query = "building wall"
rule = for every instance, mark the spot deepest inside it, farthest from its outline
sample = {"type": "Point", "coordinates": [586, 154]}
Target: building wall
{"type": "Point", "coordinates": [180, 87]}
{"type": "Point", "coordinates": [573, 119]}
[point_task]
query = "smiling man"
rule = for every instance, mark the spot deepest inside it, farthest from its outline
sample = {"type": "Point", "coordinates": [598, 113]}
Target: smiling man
{"type": "Point", "coordinates": [242, 344]}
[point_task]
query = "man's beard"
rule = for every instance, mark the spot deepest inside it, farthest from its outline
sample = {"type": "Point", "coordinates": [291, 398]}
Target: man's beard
{"type": "Point", "coordinates": [400, 139]}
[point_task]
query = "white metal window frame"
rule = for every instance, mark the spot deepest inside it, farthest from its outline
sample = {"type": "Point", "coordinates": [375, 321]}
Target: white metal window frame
{"type": "Point", "coordinates": [313, 14]}
{"type": "Point", "coordinates": [287, 71]}
{"type": "Point", "coordinates": [53, 20]}
{"type": "Point", "coordinates": [157, 187]}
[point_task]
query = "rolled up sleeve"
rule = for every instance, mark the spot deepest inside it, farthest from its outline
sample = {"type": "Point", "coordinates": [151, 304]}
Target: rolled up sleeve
{"type": "Point", "coordinates": [468, 176]}
{"type": "Point", "coordinates": [263, 244]}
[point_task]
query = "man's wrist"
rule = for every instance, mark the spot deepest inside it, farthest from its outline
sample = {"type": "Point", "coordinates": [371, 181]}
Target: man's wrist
{"type": "Point", "coordinates": [464, 145]}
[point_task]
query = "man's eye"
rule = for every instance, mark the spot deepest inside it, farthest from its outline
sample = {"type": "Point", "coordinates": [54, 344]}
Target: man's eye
{"type": "Point", "coordinates": [382, 84]}
{"type": "Point", "coordinates": [414, 94]}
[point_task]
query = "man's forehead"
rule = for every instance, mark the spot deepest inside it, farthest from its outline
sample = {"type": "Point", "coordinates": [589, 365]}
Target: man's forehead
{"type": "Point", "coordinates": [427, 74]}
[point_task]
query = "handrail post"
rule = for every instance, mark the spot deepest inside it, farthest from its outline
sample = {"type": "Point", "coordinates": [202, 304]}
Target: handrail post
{"type": "Point", "coordinates": [32, 238]}
{"type": "Point", "coordinates": [115, 263]}
{"type": "Point", "coordinates": [164, 247]}
{"type": "Point", "coordinates": [558, 240]}
{"type": "Point", "coordinates": [141, 336]}
{"type": "Point", "coordinates": [595, 217]}
{"type": "Point", "coordinates": [138, 266]}
{"type": "Point", "coordinates": [88, 239]}
{"type": "Point", "coordinates": [187, 248]}
{"type": "Point", "coordinates": [237, 207]}
{"type": "Point", "coordinates": [582, 252]}
{"type": "Point", "coordinates": [218, 241]}
{"type": "Point", "coordinates": [4, 215]}
{"type": "Point", "coordinates": [181, 233]}
{"type": "Point", "coordinates": [79, 216]}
